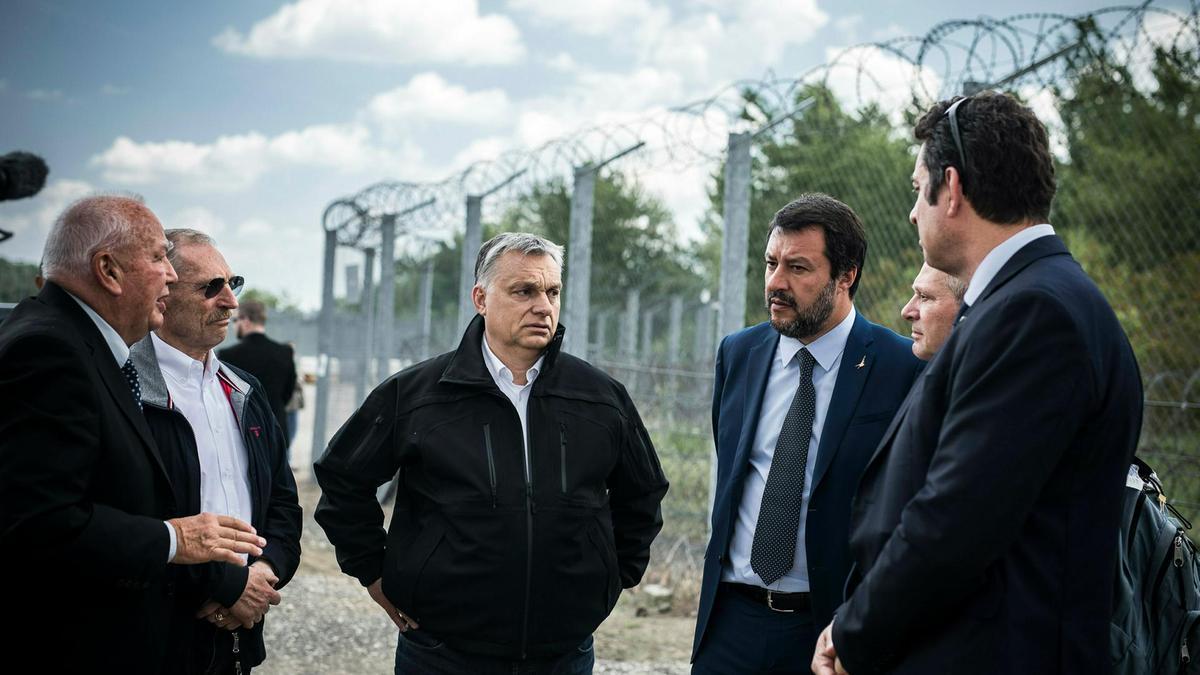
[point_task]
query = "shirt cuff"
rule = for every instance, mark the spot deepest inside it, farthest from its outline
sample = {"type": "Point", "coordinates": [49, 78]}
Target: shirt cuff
{"type": "Point", "coordinates": [171, 548]}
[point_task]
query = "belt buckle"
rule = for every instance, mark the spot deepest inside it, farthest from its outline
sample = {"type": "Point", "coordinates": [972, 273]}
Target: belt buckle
{"type": "Point", "coordinates": [771, 604]}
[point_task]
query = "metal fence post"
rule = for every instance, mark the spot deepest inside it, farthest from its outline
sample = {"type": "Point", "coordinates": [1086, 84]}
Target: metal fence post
{"type": "Point", "coordinates": [366, 377]}
{"type": "Point", "coordinates": [472, 240]}
{"type": "Point", "coordinates": [324, 346]}
{"type": "Point", "coordinates": [426, 308]}
{"type": "Point", "coordinates": [579, 262]}
{"type": "Point", "coordinates": [385, 313]}
{"type": "Point", "coordinates": [732, 315]}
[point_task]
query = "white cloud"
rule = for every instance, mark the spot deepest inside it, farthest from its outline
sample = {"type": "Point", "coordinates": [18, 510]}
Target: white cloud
{"type": "Point", "coordinates": [595, 17]}
{"type": "Point", "coordinates": [45, 94]}
{"type": "Point", "coordinates": [401, 31]}
{"type": "Point", "coordinates": [429, 98]}
{"type": "Point", "coordinates": [30, 219]}
{"type": "Point", "coordinates": [197, 218]}
{"type": "Point", "coordinates": [862, 75]}
{"type": "Point", "coordinates": [109, 89]}
{"type": "Point", "coordinates": [561, 62]}
{"type": "Point", "coordinates": [235, 162]}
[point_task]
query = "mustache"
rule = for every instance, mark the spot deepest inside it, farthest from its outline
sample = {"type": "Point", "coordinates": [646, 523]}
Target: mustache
{"type": "Point", "coordinates": [219, 316]}
{"type": "Point", "coordinates": [782, 296]}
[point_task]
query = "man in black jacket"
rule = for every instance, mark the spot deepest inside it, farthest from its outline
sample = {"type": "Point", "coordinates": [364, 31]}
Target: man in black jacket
{"type": "Point", "coordinates": [224, 453]}
{"type": "Point", "coordinates": [529, 489]}
{"type": "Point", "coordinates": [272, 363]}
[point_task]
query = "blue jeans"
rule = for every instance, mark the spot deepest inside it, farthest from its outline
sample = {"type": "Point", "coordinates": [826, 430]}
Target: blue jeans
{"type": "Point", "coordinates": [419, 653]}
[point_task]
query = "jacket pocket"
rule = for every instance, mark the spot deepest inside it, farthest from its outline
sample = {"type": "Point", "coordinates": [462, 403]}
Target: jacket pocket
{"type": "Point", "coordinates": [411, 565]}
{"type": "Point", "coordinates": [562, 454]}
{"type": "Point", "coordinates": [608, 555]}
{"type": "Point", "coordinates": [491, 460]}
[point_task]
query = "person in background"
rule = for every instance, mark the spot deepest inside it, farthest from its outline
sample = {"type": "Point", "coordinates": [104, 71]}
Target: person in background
{"type": "Point", "coordinates": [931, 310]}
{"type": "Point", "coordinates": [271, 362]}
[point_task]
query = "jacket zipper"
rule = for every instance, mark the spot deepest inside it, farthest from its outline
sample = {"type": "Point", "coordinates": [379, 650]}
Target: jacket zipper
{"type": "Point", "coordinates": [530, 510]}
{"type": "Point", "coordinates": [362, 444]}
{"type": "Point", "coordinates": [562, 449]}
{"type": "Point", "coordinates": [487, 440]}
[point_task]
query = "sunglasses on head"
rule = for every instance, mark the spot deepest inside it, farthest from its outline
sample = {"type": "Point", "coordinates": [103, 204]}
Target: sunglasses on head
{"type": "Point", "coordinates": [952, 113]}
{"type": "Point", "coordinates": [212, 288]}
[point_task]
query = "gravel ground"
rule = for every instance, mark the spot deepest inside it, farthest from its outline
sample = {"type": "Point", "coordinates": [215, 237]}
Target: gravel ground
{"type": "Point", "coordinates": [328, 624]}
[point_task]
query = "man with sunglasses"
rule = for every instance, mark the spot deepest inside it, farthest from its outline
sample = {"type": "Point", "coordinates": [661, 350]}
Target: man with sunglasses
{"type": "Point", "coordinates": [84, 492]}
{"type": "Point", "coordinates": [984, 530]}
{"type": "Point", "coordinates": [224, 453]}
{"type": "Point", "coordinates": [271, 362]}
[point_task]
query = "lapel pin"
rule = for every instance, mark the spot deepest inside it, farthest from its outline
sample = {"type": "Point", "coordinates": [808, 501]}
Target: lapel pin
{"type": "Point", "coordinates": [863, 362]}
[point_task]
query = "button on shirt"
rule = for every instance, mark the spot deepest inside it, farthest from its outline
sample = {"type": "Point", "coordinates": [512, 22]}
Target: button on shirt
{"type": "Point", "coordinates": [196, 392]}
{"type": "Point", "coordinates": [517, 393]}
{"type": "Point", "coordinates": [782, 382]}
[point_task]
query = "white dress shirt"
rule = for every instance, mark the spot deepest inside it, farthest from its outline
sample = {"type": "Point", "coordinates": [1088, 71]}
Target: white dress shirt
{"type": "Point", "coordinates": [990, 266]}
{"type": "Point", "coordinates": [782, 383]}
{"type": "Point", "coordinates": [120, 352]}
{"type": "Point", "coordinates": [517, 393]}
{"type": "Point", "coordinates": [224, 466]}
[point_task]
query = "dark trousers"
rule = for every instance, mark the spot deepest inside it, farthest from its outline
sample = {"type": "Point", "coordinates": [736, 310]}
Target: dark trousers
{"type": "Point", "coordinates": [419, 653]}
{"type": "Point", "coordinates": [744, 636]}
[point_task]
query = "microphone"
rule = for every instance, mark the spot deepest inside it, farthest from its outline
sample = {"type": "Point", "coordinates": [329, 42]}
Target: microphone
{"type": "Point", "coordinates": [22, 174]}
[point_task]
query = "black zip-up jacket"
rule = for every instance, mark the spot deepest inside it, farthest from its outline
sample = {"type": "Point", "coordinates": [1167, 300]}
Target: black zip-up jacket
{"type": "Point", "coordinates": [195, 645]}
{"type": "Point", "coordinates": [486, 560]}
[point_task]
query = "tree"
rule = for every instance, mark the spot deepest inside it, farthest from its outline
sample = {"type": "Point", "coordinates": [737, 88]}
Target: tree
{"type": "Point", "coordinates": [16, 280]}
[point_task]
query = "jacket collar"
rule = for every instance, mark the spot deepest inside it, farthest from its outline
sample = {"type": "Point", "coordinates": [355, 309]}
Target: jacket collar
{"type": "Point", "coordinates": [466, 364]}
{"type": "Point", "coordinates": [1035, 250]}
{"type": "Point", "coordinates": [154, 385]}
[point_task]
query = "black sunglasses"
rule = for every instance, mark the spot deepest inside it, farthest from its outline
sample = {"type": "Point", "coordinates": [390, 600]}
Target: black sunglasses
{"type": "Point", "coordinates": [952, 113]}
{"type": "Point", "coordinates": [212, 288]}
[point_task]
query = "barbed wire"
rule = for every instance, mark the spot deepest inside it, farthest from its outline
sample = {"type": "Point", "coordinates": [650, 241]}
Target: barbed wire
{"type": "Point", "coordinates": [902, 71]}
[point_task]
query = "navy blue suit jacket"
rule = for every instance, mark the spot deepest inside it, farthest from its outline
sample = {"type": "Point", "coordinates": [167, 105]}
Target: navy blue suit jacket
{"type": "Point", "coordinates": [876, 371]}
{"type": "Point", "coordinates": [985, 526]}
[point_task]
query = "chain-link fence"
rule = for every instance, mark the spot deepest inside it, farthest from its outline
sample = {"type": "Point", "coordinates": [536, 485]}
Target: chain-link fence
{"type": "Point", "coordinates": [1119, 90]}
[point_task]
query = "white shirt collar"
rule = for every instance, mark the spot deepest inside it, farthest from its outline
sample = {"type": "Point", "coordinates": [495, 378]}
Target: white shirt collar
{"type": "Point", "coordinates": [497, 368]}
{"type": "Point", "coordinates": [181, 367]}
{"type": "Point", "coordinates": [120, 350]}
{"type": "Point", "coordinates": [826, 350]}
{"type": "Point", "coordinates": [995, 259]}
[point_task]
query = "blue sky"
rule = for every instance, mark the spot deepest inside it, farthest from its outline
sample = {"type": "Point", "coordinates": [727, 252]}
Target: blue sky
{"type": "Point", "coordinates": [245, 118]}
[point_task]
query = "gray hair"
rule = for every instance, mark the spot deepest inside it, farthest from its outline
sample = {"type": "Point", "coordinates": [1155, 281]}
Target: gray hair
{"type": "Point", "coordinates": [520, 242]}
{"type": "Point", "coordinates": [957, 287]}
{"type": "Point", "coordinates": [183, 236]}
{"type": "Point", "coordinates": [91, 224]}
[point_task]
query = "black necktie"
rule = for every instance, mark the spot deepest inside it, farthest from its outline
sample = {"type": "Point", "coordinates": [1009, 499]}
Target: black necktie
{"type": "Point", "coordinates": [962, 313]}
{"type": "Point", "coordinates": [774, 548]}
{"type": "Point", "coordinates": [131, 377]}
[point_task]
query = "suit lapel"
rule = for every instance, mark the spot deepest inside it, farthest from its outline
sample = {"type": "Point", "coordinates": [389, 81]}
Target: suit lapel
{"type": "Point", "coordinates": [758, 366]}
{"type": "Point", "coordinates": [106, 366]}
{"type": "Point", "coordinates": [857, 361]}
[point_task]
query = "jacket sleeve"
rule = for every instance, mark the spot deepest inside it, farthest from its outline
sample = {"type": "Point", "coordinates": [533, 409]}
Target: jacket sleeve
{"type": "Point", "coordinates": [998, 445]}
{"type": "Point", "coordinates": [636, 489]}
{"type": "Point", "coordinates": [284, 518]}
{"type": "Point", "coordinates": [50, 442]}
{"type": "Point", "coordinates": [359, 459]}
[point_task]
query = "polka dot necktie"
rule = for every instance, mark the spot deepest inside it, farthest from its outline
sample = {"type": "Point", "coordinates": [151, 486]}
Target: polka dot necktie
{"type": "Point", "coordinates": [774, 548]}
{"type": "Point", "coordinates": [131, 376]}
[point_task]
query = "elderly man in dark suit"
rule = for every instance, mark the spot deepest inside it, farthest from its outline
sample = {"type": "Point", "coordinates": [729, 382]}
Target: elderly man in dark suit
{"type": "Point", "coordinates": [799, 405]}
{"type": "Point", "coordinates": [85, 502]}
{"type": "Point", "coordinates": [271, 362]}
{"type": "Point", "coordinates": [985, 527]}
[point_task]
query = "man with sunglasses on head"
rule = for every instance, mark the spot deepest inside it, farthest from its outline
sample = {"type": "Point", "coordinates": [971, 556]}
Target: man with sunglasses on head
{"type": "Point", "coordinates": [84, 491]}
{"type": "Point", "coordinates": [224, 453]}
{"type": "Point", "coordinates": [984, 530]}
{"type": "Point", "coordinates": [273, 363]}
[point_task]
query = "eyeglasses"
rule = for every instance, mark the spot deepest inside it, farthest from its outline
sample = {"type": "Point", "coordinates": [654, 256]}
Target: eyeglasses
{"type": "Point", "coordinates": [952, 113]}
{"type": "Point", "coordinates": [212, 288]}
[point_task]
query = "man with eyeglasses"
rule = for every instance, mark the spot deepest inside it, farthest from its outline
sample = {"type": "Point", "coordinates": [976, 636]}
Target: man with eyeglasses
{"type": "Point", "coordinates": [984, 530]}
{"type": "Point", "coordinates": [273, 363]}
{"type": "Point", "coordinates": [87, 509]}
{"type": "Point", "coordinates": [224, 453]}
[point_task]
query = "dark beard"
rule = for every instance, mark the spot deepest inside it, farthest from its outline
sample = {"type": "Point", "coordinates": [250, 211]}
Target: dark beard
{"type": "Point", "coordinates": [809, 320]}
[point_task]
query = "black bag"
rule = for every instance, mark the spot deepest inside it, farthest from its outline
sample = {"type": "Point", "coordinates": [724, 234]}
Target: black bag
{"type": "Point", "coordinates": [1156, 605]}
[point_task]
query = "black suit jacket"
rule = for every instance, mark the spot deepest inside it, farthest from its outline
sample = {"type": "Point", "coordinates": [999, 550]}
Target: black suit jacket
{"type": "Point", "coordinates": [272, 364]}
{"type": "Point", "coordinates": [985, 526]}
{"type": "Point", "coordinates": [83, 496]}
{"type": "Point", "coordinates": [876, 372]}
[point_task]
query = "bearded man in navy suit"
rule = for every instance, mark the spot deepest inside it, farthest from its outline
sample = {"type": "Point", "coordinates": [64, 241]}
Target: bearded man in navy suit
{"type": "Point", "coordinates": [985, 527]}
{"type": "Point", "coordinates": [799, 405]}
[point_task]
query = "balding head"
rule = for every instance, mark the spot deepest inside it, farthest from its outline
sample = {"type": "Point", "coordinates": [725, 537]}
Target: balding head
{"type": "Point", "coordinates": [110, 252]}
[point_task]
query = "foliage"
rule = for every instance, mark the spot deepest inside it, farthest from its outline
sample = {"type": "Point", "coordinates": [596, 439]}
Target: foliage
{"type": "Point", "coordinates": [16, 280]}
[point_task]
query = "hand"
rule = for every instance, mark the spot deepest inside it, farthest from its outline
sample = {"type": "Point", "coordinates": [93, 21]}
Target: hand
{"type": "Point", "coordinates": [208, 537]}
{"type": "Point", "coordinates": [402, 620]}
{"type": "Point", "coordinates": [259, 595]}
{"type": "Point", "coordinates": [825, 659]}
{"type": "Point", "coordinates": [218, 616]}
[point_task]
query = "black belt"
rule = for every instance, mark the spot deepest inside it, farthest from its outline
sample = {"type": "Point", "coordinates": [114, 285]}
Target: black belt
{"type": "Point", "coordinates": [776, 601]}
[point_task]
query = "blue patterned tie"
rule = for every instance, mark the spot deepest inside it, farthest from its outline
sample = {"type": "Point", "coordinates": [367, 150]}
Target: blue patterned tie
{"type": "Point", "coordinates": [774, 549]}
{"type": "Point", "coordinates": [131, 377]}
